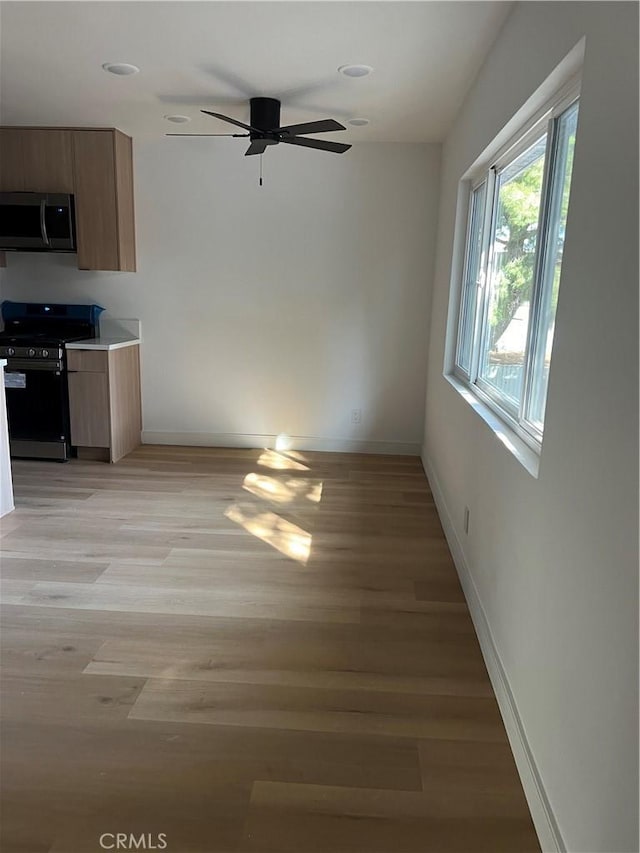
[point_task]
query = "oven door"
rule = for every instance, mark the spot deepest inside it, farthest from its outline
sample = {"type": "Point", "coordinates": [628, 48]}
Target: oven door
{"type": "Point", "coordinates": [37, 409]}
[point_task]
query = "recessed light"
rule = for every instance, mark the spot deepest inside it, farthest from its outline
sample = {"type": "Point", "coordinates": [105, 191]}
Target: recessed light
{"type": "Point", "coordinates": [355, 70]}
{"type": "Point", "coordinates": [358, 122]}
{"type": "Point", "coordinates": [122, 69]}
{"type": "Point", "coordinates": [178, 119]}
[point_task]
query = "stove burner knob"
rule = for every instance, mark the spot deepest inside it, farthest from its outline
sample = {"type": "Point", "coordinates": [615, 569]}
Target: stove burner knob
{"type": "Point", "coordinates": [31, 352]}
{"type": "Point", "coordinates": [45, 353]}
{"type": "Point", "coordinates": [11, 350]}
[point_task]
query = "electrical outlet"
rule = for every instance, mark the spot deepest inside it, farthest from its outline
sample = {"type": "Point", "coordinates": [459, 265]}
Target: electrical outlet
{"type": "Point", "coordinates": [466, 520]}
{"type": "Point", "coordinates": [356, 416]}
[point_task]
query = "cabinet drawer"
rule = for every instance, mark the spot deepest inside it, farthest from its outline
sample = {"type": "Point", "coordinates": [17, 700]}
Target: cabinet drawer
{"type": "Point", "coordinates": [88, 361]}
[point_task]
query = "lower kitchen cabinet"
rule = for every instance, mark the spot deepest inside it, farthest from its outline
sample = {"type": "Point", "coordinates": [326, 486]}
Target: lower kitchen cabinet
{"type": "Point", "coordinates": [104, 401]}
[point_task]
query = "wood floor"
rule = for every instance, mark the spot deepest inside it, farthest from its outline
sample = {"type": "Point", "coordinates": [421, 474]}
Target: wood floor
{"type": "Point", "coordinates": [246, 651]}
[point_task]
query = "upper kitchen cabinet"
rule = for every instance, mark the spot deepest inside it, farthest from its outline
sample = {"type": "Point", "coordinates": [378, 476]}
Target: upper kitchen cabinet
{"type": "Point", "coordinates": [103, 185]}
{"type": "Point", "coordinates": [35, 160]}
{"type": "Point", "coordinates": [97, 167]}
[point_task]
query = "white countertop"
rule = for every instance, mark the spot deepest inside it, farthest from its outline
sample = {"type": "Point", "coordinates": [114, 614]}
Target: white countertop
{"type": "Point", "coordinates": [104, 342]}
{"type": "Point", "coordinates": [114, 334]}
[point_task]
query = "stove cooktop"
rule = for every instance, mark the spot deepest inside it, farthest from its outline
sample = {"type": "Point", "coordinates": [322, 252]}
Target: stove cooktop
{"type": "Point", "coordinates": [39, 323]}
{"type": "Point", "coordinates": [9, 338]}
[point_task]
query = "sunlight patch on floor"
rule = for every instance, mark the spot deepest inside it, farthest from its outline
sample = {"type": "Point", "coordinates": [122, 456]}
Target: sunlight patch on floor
{"type": "Point", "coordinates": [283, 535]}
{"type": "Point", "coordinates": [280, 461]}
{"type": "Point", "coordinates": [283, 490]}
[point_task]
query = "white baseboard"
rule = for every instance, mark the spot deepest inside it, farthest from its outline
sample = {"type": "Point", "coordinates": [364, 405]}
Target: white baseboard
{"type": "Point", "coordinates": [543, 818]}
{"type": "Point", "coordinates": [294, 442]}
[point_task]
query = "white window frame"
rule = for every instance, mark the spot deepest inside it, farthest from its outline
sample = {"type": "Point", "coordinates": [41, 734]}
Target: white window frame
{"type": "Point", "coordinates": [544, 120]}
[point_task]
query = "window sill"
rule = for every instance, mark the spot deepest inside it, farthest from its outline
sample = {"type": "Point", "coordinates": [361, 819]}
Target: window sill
{"type": "Point", "coordinates": [525, 455]}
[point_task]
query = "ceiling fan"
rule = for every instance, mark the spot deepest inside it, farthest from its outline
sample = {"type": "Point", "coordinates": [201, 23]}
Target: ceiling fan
{"type": "Point", "coordinates": [264, 129]}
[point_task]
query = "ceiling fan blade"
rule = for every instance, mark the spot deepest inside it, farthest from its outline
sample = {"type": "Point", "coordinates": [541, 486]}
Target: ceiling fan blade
{"type": "Point", "coordinates": [237, 135]}
{"type": "Point", "coordinates": [323, 126]}
{"type": "Point", "coordinates": [258, 146]}
{"type": "Point", "coordinates": [232, 121]}
{"type": "Point", "coordinates": [320, 144]}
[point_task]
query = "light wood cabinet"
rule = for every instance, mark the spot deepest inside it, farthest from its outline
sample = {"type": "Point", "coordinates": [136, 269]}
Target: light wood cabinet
{"type": "Point", "coordinates": [35, 160]}
{"type": "Point", "coordinates": [89, 408]}
{"type": "Point", "coordinates": [12, 176]}
{"type": "Point", "coordinates": [97, 167]}
{"type": "Point", "coordinates": [104, 401]}
{"type": "Point", "coordinates": [103, 181]}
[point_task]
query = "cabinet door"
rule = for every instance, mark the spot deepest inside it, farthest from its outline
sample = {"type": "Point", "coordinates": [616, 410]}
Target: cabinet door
{"type": "Point", "coordinates": [95, 191]}
{"type": "Point", "coordinates": [11, 160]}
{"type": "Point", "coordinates": [47, 161]}
{"type": "Point", "coordinates": [35, 160]}
{"type": "Point", "coordinates": [89, 409]}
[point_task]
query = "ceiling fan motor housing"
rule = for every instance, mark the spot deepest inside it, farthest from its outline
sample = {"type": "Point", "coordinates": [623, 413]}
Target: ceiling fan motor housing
{"type": "Point", "coordinates": [265, 115]}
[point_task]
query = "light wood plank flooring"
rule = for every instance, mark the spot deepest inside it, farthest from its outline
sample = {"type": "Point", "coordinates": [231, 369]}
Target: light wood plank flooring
{"type": "Point", "coordinates": [246, 651]}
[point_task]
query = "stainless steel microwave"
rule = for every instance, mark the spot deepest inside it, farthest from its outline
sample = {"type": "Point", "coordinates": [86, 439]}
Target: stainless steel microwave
{"type": "Point", "coordinates": [37, 222]}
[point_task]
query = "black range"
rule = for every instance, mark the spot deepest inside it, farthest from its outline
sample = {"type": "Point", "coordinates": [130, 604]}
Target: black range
{"type": "Point", "coordinates": [33, 342]}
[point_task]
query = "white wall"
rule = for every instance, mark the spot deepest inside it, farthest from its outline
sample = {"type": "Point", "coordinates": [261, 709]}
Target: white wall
{"type": "Point", "coordinates": [554, 560]}
{"type": "Point", "coordinates": [274, 309]}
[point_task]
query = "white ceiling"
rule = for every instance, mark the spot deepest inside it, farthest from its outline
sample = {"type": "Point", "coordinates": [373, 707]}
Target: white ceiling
{"type": "Point", "coordinates": [218, 54]}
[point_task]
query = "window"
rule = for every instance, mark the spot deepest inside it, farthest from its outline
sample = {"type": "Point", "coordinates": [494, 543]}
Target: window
{"type": "Point", "coordinates": [511, 275]}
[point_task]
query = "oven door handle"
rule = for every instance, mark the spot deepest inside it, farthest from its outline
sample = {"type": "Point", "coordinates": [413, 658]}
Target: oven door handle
{"type": "Point", "coordinates": [43, 223]}
{"type": "Point", "coordinates": [19, 365]}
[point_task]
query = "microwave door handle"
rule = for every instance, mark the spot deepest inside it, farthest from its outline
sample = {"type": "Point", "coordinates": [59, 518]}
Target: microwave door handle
{"type": "Point", "coordinates": [43, 224]}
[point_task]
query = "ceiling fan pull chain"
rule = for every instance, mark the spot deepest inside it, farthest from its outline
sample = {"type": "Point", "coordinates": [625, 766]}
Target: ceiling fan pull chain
{"type": "Point", "coordinates": [261, 170]}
